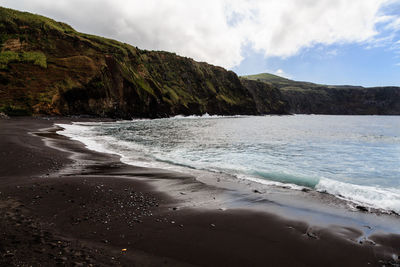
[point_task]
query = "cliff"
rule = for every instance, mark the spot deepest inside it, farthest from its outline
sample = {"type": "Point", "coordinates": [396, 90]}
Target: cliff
{"type": "Point", "coordinates": [46, 67]}
{"type": "Point", "coordinates": [268, 99]}
{"type": "Point", "coordinates": [310, 98]}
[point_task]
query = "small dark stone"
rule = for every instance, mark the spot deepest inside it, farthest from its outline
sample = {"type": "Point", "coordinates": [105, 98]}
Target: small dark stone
{"type": "Point", "coordinates": [362, 208]}
{"type": "Point", "coordinates": [59, 260]}
{"type": "Point", "coordinates": [8, 255]}
{"type": "Point", "coordinates": [312, 235]}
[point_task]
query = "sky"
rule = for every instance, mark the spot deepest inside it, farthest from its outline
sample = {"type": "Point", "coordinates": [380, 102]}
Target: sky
{"type": "Point", "coordinates": [352, 42]}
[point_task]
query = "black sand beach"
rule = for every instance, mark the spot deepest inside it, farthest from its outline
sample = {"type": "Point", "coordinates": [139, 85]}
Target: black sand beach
{"type": "Point", "coordinates": [74, 207]}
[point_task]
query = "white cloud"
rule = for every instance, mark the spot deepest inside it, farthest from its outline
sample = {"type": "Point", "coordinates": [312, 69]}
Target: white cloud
{"type": "Point", "coordinates": [383, 41]}
{"type": "Point", "coordinates": [333, 52]}
{"type": "Point", "coordinates": [216, 30]}
{"type": "Point", "coordinates": [394, 24]}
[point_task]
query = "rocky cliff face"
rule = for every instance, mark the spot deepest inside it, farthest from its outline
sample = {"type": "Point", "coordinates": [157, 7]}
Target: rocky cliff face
{"type": "Point", "coordinates": [46, 67]}
{"type": "Point", "coordinates": [310, 98]}
{"type": "Point", "coordinates": [345, 101]}
{"type": "Point", "coordinates": [268, 99]}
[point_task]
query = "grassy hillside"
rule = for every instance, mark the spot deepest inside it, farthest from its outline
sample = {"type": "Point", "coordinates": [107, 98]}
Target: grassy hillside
{"type": "Point", "coordinates": [283, 83]}
{"type": "Point", "coordinates": [46, 67]}
{"type": "Point", "coordinates": [311, 98]}
{"type": "Point", "coordinates": [266, 77]}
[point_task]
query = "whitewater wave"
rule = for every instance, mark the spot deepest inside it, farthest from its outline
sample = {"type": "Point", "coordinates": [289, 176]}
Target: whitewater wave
{"type": "Point", "coordinates": [287, 178]}
{"type": "Point", "coordinates": [374, 197]}
{"type": "Point", "coordinates": [204, 116]}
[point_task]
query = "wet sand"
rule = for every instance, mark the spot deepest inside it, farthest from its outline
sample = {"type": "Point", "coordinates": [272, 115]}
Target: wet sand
{"type": "Point", "coordinates": [63, 204]}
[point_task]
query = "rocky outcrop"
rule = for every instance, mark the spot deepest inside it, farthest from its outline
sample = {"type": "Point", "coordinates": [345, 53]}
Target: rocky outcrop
{"type": "Point", "coordinates": [46, 67]}
{"type": "Point", "coordinates": [3, 116]}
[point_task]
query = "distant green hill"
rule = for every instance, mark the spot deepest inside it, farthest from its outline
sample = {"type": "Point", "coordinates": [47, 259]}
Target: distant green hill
{"type": "Point", "coordinates": [311, 98]}
{"type": "Point", "coordinates": [284, 83]}
{"type": "Point", "coordinates": [267, 77]}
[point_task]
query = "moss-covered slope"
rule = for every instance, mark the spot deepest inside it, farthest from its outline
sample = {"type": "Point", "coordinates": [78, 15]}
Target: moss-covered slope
{"type": "Point", "coordinates": [46, 67]}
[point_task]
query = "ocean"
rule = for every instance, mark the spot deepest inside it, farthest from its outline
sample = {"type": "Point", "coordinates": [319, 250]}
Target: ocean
{"type": "Point", "coordinates": [355, 158]}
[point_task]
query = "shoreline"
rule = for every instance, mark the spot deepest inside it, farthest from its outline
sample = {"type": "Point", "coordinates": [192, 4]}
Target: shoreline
{"type": "Point", "coordinates": [353, 195]}
{"type": "Point", "coordinates": [101, 204]}
{"type": "Point", "coordinates": [289, 201]}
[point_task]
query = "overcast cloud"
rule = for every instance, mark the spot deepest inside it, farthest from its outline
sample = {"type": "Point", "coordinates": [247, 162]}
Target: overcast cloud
{"type": "Point", "coordinates": [216, 31]}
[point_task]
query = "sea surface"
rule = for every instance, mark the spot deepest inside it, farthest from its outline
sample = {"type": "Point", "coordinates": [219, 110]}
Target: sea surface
{"type": "Point", "coordinates": [355, 158]}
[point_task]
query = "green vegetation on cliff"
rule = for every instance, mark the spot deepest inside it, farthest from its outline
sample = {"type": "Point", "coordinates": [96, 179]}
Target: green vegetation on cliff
{"type": "Point", "coordinates": [46, 67]}
{"type": "Point", "coordinates": [36, 58]}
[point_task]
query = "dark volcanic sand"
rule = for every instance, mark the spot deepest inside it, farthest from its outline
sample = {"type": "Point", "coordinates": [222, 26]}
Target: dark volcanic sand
{"type": "Point", "coordinates": [84, 211]}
